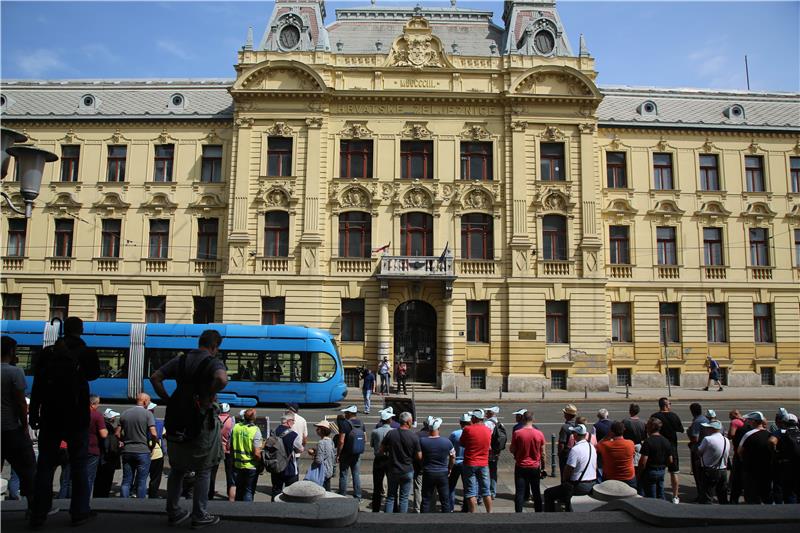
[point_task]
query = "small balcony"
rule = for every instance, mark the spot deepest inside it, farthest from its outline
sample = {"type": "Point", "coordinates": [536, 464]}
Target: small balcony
{"type": "Point", "coordinates": [619, 271]}
{"type": "Point", "coordinates": [417, 267]}
{"type": "Point", "coordinates": [716, 272]}
{"type": "Point", "coordinates": [275, 265]}
{"type": "Point", "coordinates": [760, 273]}
{"type": "Point", "coordinates": [11, 263]}
{"type": "Point", "coordinates": [206, 266]}
{"type": "Point", "coordinates": [556, 269]}
{"type": "Point", "coordinates": [478, 268]}
{"type": "Point", "coordinates": [107, 264]}
{"type": "Point", "coordinates": [155, 265]}
{"type": "Point", "coordinates": [668, 271]}
{"type": "Point", "coordinates": [349, 266]}
{"type": "Point", "coordinates": [59, 264]}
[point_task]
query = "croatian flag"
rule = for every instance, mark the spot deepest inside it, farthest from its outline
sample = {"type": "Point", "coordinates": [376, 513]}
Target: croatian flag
{"type": "Point", "coordinates": [383, 248]}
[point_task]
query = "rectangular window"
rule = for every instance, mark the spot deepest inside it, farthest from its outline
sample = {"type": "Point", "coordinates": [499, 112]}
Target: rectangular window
{"type": "Point", "coordinates": [203, 310]}
{"type": "Point", "coordinates": [762, 323]}
{"type": "Point", "coordinates": [279, 156]}
{"type": "Point", "coordinates": [759, 247]}
{"type": "Point", "coordinates": [669, 322]}
{"type": "Point", "coordinates": [59, 306]}
{"type": "Point", "coordinates": [211, 167]}
{"type": "Point", "coordinates": [155, 309]}
{"type": "Point", "coordinates": [621, 322]}
{"type": "Point", "coordinates": [716, 323]}
{"type": "Point", "coordinates": [623, 377]}
{"type": "Point", "coordinates": [616, 169]}
{"type": "Point", "coordinates": [416, 160]}
{"type": "Point", "coordinates": [754, 173]}
{"type": "Point", "coordinates": [355, 234]}
{"type": "Point", "coordinates": [276, 234]}
{"type": "Point", "coordinates": [674, 377]}
{"type": "Point", "coordinates": [619, 239]}
{"type": "Point", "coordinates": [355, 159]}
{"type": "Point", "coordinates": [273, 310]}
{"type": "Point", "coordinates": [117, 155]}
{"type": "Point", "coordinates": [478, 321]}
{"type": "Point", "coordinates": [111, 237]}
{"type": "Point", "coordinates": [12, 306]}
{"type": "Point", "coordinates": [709, 172]}
{"type": "Point", "coordinates": [552, 161]}
{"type": "Point", "coordinates": [106, 308]}
{"type": "Point", "coordinates": [17, 233]}
{"type": "Point", "coordinates": [712, 246]}
{"type": "Point", "coordinates": [70, 160]}
{"type": "Point", "coordinates": [416, 234]}
{"type": "Point", "coordinates": [476, 161]}
{"type": "Point", "coordinates": [63, 244]}
{"type": "Point", "coordinates": [159, 239]}
{"type": "Point", "coordinates": [667, 246]}
{"type": "Point", "coordinates": [768, 375]}
{"type": "Point", "coordinates": [477, 236]}
{"type": "Point", "coordinates": [558, 379]}
{"type": "Point", "coordinates": [477, 379]}
{"type": "Point", "coordinates": [554, 238]}
{"type": "Point", "coordinates": [794, 173]}
{"type": "Point", "coordinates": [165, 155]}
{"type": "Point", "coordinates": [207, 232]}
{"type": "Point", "coordinates": [557, 319]}
{"type": "Point", "coordinates": [352, 319]}
{"type": "Point", "coordinates": [662, 172]}
{"type": "Point", "coordinates": [352, 377]}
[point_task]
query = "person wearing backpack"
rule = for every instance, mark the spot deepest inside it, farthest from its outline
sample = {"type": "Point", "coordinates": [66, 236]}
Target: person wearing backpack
{"type": "Point", "coordinates": [192, 425]}
{"type": "Point", "coordinates": [349, 448]}
{"type": "Point", "coordinates": [246, 451]}
{"type": "Point", "coordinates": [226, 423]}
{"type": "Point", "coordinates": [110, 456]}
{"type": "Point", "coordinates": [498, 444]}
{"type": "Point", "coordinates": [59, 409]}
{"type": "Point", "coordinates": [280, 449]}
{"type": "Point", "coordinates": [787, 458]}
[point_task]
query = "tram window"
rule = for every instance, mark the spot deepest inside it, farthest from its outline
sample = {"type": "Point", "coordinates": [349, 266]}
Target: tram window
{"type": "Point", "coordinates": [322, 366]}
{"type": "Point", "coordinates": [156, 358]}
{"type": "Point", "coordinates": [283, 367]}
{"type": "Point", "coordinates": [242, 366]}
{"type": "Point", "coordinates": [27, 356]}
{"type": "Point", "coordinates": [113, 362]}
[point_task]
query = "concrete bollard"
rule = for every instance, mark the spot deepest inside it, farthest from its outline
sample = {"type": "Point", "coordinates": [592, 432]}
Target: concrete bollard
{"type": "Point", "coordinates": [585, 392]}
{"type": "Point", "coordinates": [500, 392]}
{"type": "Point", "coordinates": [627, 391]}
{"type": "Point", "coordinates": [542, 392]}
{"type": "Point", "coordinates": [456, 391]}
{"type": "Point", "coordinates": [553, 455]}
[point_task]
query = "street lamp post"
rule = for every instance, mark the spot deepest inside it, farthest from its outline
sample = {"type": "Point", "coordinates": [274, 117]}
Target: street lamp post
{"type": "Point", "coordinates": [666, 362]}
{"type": "Point", "coordinates": [30, 164]}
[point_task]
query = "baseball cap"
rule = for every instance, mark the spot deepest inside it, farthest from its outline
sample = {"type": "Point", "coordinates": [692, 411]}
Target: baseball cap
{"type": "Point", "coordinates": [477, 413]}
{"type": "Point", "coordinates": [242, 412]}
{"type": "Point", "coordinates": [466, 417]}
{"type": "Point", "coordinates": [386, 414]}
{"type": "Point", "coordinates": [580, 429]}
{"type": "Point", "coordinates": [225, 407]}
{"type": "Point", "coordinates": [349, 409]}
{"type": "Point", "coordinates": [716, 424]}
{"type": "Point", "coordinates": [710, 413]}
{"type": "Point", "coordinates": [494, 409]}
{"type": "Point", "coordinates": [755, 415]}
{"type": "Point", "coordinates": [389, 409]}
{"type": "Point", "coordinates": [436, 423]}
{"type": "Point", "coordinates": [292, 406]}
{"type": "Point", "coordinates": [151, 406]}
{"type": "Point", "coordinates": [110, 413]}
{"type": "Point", "coordinates": [520, 412]}
{"type": "Point", "coordinates": [790, 418]}
{"type": "Point", "coordinates": [570, 410]}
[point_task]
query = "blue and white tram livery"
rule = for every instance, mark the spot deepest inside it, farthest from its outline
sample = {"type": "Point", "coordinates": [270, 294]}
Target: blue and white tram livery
{"type": "Point", "coordinates": [266, 364]}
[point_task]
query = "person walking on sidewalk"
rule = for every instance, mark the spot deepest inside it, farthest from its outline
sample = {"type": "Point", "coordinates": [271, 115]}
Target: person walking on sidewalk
{"type": "Point", "coordinates": [528, 448]}
{"type": "Point", "coordinates": [580, 472]}
{"type": "Point", "coordinates": [438, 457]}
{"type": "Point", "coordinates": [402, 447]}
{"type": "Point", "coordinates": [380, 462]}
{"type": "Point", "coordinates": [192, 425]}
{"type": "Point", "coordinates": [368, 389]}
{"type": "Point", "coordinates": [671, 425]}
{"type": "Point", "coordinates": [349, 448]}
{"type": "Point", "coordinates": [385, 375]}
{"type": "Point", "coordinates": [713, 373]}
{"type": "Point", "coordinates": [477, 439]}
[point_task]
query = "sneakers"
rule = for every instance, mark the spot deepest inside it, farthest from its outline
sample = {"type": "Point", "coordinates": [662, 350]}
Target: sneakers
{"type": "Point", "coordinates": [676, 500]}
{"type": "Point", "coordinates": [179, 518]}
{"type": "Point", "coordinates": [719, 389]}
{"type": "Point", "coordinates": [209, 520]}
{"type": "Point", "coordinates": [705, 388]}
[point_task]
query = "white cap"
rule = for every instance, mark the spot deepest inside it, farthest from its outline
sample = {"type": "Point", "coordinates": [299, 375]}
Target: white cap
{"type": "Point", "coordinates": [349, 409]}
{"type": "Point", "coordinates": [435, 423]}
{"type": "Point", "coordinates": [151, 406]}
{"type": "Point", "coordinates": [386, 414]}
{"type": "Point", "coordinates": [520, 412]}
{"type": "Point", "coordinates": [477, 413]}
{"type": "Point", "coordinates": [495, 409]}
{"type": "Point", "coordinates": [242, 412]}
{"type": "Point", "coordinates": [580, 429]}
{"type": "Point", "coordinates": [466, 417]}
{"type": "Point", "coordinates": [225, 407]}
{"type": "Point", "coordinates": [389, 409]}
{"type": "Point", "coordinates": [110, 413]}
{"type": "Point", "coordinates": [429, 421]}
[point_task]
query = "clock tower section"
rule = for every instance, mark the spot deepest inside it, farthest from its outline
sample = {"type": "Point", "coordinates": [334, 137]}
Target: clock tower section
{"type": "Point", "coordinates": [296, 26]}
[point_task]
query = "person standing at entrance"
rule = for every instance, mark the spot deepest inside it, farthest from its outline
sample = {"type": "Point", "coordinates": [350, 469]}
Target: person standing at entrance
{"type": "Point", "coordinates": [383, 373]}
{"type": "Point", "coordinates": [402, 375]}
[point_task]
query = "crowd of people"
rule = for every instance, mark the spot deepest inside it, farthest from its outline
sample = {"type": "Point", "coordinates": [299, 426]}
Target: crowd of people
{"type": "Point", "coordinates": [414, 465]}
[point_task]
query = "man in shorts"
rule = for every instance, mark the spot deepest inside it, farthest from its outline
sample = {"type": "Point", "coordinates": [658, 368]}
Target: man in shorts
{"type": "Point", "coordinates": [476, 440]}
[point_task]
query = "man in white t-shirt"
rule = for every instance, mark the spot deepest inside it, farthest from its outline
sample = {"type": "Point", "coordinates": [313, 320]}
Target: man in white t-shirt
{"type": "Point", "coordinates": [300, 424]}
{"type": "Point", "coordinates": [579, 474]}
{"type": "Point", "coordinates": [714, 450]}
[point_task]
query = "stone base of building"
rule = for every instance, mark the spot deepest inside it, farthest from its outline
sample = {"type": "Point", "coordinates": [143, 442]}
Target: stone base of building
{"type": "Point", "coordinates": [450, 380]}
{"type": "Point", "coordinates": [533, 384]}
{"type": "Point", "coordinates": [787, 379]}
{"type": "Point", "coordinates": [591, 383]}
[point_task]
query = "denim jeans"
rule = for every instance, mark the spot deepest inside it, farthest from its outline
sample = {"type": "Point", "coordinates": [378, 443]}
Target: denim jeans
{"type": "Point", "coordinates": [378, 473]}
{"type": "Point", "coordinates": [367, 404]}
{"type": "Point", "coordinates": [17, 449]}
{"type": "Point", "coordinates": [135, 465]}
{"type": "Point", "coordinates": [384, 383]}
{"type": "Point", "coordinates": [50, 437]}
{"type": "Point", "coordinates": [652, 483]}
{"type": "Point", "coordinates": [476, 481]}
{"type": "Point", "coordinates": [199, 494]}
{"type": "Point", "coordinates": [435, 481]}
{"type": "Point", "coordinates": [527, 478]}
{"type": "Point", "coordinates": [246, 480]}
{"type": "Point", "coordinates": [493, 476]}
{"type": "Point", "coordinates": [455, 474]}
{"type": "Point", "coordinates": [350, 463]}
{"type": "Point", "coordinates": [91, 471]}
{"type": "Point", "coordinates": [403, 483]}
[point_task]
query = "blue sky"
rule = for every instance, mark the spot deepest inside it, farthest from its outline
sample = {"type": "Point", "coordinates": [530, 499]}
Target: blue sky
{"type": "Point", "coordinates": [664, 44]}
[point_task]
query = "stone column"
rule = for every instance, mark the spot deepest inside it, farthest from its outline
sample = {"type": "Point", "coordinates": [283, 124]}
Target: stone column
{"type": "Point", "coordinates": [591, 243]}
{"type": "Point", "coordinates": [383, 329]}
{"type": "Point", "coordinates": [239, 239]}
{"type": "Point", "coordinates": [311, 240]}
{"type": "Point", "coordinates": [520, 240]}
{"type": "Point", "coordinates": [448, 335]}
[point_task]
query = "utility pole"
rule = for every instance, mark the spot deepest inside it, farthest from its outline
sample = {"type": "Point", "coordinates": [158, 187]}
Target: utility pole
{"type": "Point", "coordinates": [747, 72]}
{"type": "Point", "coordinates": [666, 360]}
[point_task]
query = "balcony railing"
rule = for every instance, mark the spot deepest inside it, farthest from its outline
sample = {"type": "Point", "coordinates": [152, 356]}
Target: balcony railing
{"type": "Point", "coordinates": [275, 264]}
{"type": "Point", "coordinates": [760, 272]}
{"type": "Point", "coordinates": [206, 266]}
{"type": "Point", "coordinates": [352, 265]}
{"type": "Point", "coordinates": [402, 266]}
{"type": "Point", "coordinates": [156, 265]}
{"type": "Point", "coordinates": [477, 267]}
{"type": "Point", "coordinates": [13, 263]}
{"type": "Point", "coordinates": [716, 272]}
{"type": "Point", "coordinates": [559, 269]}
{"type": "Point", "coordinates": [107, 264]}
{"type": "Point", "coordinates": [60, 264]}
{"type": "Point", "coordinates": [620, 271]}
{"type": "Point", "coordinates": [669, 272]}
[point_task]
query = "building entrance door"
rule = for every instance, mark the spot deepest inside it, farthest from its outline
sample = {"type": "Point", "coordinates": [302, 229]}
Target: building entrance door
{"type": "Point", "coordinates": [415, 339]}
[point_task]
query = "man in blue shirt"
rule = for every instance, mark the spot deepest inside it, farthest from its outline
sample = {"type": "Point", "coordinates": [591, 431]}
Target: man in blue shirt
{"type": "Point", "coordinates": [455, 472]}
{"type": "Point", "coordinates": [368, 388]}
{"type": "Point", "coordinates": [713, 373]}
{"type": "Point", "coordinates": [381, 462]}
{"type": "Point", "coordinates": [438, 458]}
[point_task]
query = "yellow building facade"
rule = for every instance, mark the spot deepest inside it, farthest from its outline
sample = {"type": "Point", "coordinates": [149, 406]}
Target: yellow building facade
{"type": "Point", "coordinates": [431, 188]}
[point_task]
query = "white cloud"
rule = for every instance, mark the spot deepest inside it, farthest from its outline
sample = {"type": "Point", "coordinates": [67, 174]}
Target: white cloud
{"type": "Point", "coordinates": [714, 66]}
{"type": "Point", "coordinates": [42, 63]}
{"type": "Point", "coordinates": [99, 52]}
{"type": "Point", "coordinates": [174, 49]}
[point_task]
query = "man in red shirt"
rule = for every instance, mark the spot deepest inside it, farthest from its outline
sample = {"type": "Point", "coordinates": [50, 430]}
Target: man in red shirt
{"type": "Point", "coordinates": [476, 440]}
{"type": "Point", "coordinates": [616, 456]}
{"type": "Point", "coordinates": [528, 448]}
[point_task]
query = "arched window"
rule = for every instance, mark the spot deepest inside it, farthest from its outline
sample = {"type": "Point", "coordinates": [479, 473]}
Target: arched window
{"type": "Point", "coordinates": [554, 238]}
{"type": "Point", "coordinates": [476, 236]}
{"type": "Point", "coordinates": [276, 234]}
{"type": "Point", "coordinates": [355, 234]}
{"type": "Point", "coordinates": [416, 234]}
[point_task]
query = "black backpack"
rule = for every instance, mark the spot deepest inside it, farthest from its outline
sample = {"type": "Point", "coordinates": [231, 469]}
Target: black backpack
{"type": "Point", "coordinates": [789, 446]}
{"type": "Point", "coordinates": [274, 455]}
{"type": "Point", "coordinates": [499, 438]}
{"type": "Point", "coordinates": [184, 419]}
{"type": "Point", "coordinates": [355, 439]}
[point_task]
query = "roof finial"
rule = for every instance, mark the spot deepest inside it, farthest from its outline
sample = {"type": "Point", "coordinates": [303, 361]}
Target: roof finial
{"type": "Point", "coordinates": [453, 3]}
{"type": "Point", "coordinates": [584, 52]}
{"type": "Point", "coordinates": [372, 2]}
{"type": "Point", "coordinates": [248, 45]}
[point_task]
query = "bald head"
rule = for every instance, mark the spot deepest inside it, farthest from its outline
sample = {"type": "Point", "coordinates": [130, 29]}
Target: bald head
{"type": "Point", "coordinates": [143, 399]}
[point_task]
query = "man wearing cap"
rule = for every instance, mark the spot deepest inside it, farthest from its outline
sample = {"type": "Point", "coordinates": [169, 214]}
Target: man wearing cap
{"type": "Point", "coordinates": [292, 445]}
{"type": "Point", "coordinates": [519, 418]}
{"type": "Point", "coordinates": [528, 449]}
{"type": "Point", "coordinates": [402, 447]}
{"type": "Point", "coordinates": [246, 449]}
{"type": "Point", "coordinates": [457, 470]}
{"type": "Point", "coordinates": [570, 412]}
{"type": "Point", "coordinates": [226, 423]}
{"type": "Point", "coordinates": [580, 472]}
{"type": "Point", "coordinates": [392, 418]}
{"type": "Point", "coordinates": [713, 452]}
{"type": "Point", "coordinates": [381, 461]}
{"type": "Point", "coordinates": [477, 441]}
{"type": "Point", "coordinates": [787, 458]}
{"type": "Point", "coordinates": [498, 444]}
{"type": "Point", "coordinates": [349, 461]}
{"type": "Point", "coordinates": [438, 458]}
{"type": "Point", "coordinates": [137, 432]}
{"type": "Point", "coordinates": [756, 454]}
{"type": "Point", "coordinates": [671, 425]}
{"type": "Point", "coordinates": [300, 423]}
{"type": "Point", "coordinates": [696, 434]}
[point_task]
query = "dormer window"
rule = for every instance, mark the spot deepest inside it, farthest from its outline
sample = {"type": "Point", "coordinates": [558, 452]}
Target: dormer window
{"type": "Point", "coordinates": [177, 101]}
{"type": "Point", "coordinates": [289, 37]}
{"type": "Point", "coordinates": [735, 112]}
{"type": "Point", "coordinates": [544, 42]}
{"type": "Point", "coordinates": [648, 108]}
{"type": "Point", "coordinates": [88, 101]}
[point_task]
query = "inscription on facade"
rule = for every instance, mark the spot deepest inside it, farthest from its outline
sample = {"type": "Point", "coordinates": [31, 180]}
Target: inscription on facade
{"type": "Point", "coordinates": [416, 109]}
{"type": "Point", "coordinates": [418, 84]}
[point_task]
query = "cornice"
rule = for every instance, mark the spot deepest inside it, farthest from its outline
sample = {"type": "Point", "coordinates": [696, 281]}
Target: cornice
{"type": "Point", "coordinates": [742, 129]}
{"type": "Point", "coordinates": [69, 122]}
